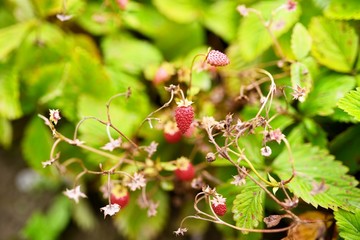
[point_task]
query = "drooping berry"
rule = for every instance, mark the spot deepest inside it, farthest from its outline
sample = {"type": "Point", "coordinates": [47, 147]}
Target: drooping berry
{"type": "Point", "coordinates": [217, 58]}
{"type": "Point", "coordinates": [219, 209]}
{"type": "Point", "coordinates": [172, 133]}
{"type": "Point", "coordinates": [184, 115]}
{"type": "Point", "coordinates": [218, 204]}
{"type": "Point", "coordinates": [185, 170]}
{"type": "Point", "coordinates": [119, 195]}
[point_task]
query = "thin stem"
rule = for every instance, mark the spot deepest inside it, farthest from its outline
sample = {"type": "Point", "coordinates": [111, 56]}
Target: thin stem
{"type": "Point", "coordinates": [191, 71]}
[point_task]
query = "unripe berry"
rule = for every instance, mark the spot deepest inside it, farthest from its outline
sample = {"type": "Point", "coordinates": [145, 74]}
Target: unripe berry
{"type": "Point", "coordinates": [185, 170]}
{"type": "Point", "coordinates": [217, 58]}
{"type": "Point", "coordinates": [119, 195]}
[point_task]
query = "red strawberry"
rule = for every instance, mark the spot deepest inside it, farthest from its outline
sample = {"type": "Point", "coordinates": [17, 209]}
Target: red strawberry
{"type": "Point", "coordinates": [172, 133]}
{"type": "Point", "coordinates": [216, 58]}
{"type": "Point", "coordinates": [119, 195]}
{"type": "Point", "coordinates": [185, 170]}
{"type": "Point", "coordinates": [219, 209]}
{"type": "Point", "coordinates": [184, 115]}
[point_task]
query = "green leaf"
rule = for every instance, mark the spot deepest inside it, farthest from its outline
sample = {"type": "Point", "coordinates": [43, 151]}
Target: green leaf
{"type": "Point", "coordinates": [335, 43]}
{"type": "Point", "coordinates": [129, 54]}
{"type": "Point", "coordinates": [320, 180]}
{"type": "Point", "coordinates": [134, 223]}
{"type": "Point", "coordinates": [222, 19]}
{"type": "Point", "coordinates": [12, 36]}
{"type": "Point", "coordinates": [300, 76]}
{"type": "Point", "coordinates": [5, 132]}
{"type": "Point", "coordinates": [300, 41]}
{"type": "Point", "coordinates": [254, 38]}
{"type": "Point", "coordinates": [343, 10]}
{"type": "Point", "coordinates": [350, 103]}
{"type": "Point", "coordinates": [314, 133]}
{"type": "Point", "coordinates": [84, 217]}
{"type": "Point", "coordinates": [181, 11]}
{"type": "Point", "coordinates": [9, 93]}
{"type": "Point", "coordinates": [36, 144]}
{"type": "Point", "coordinates": [48, 226]}
{"type": "Point", "coordinates": [248, 206]}
{"type": "Point", "coordinates": [327, 90]}
{"type": "Point", "coordinates": [348, 224]}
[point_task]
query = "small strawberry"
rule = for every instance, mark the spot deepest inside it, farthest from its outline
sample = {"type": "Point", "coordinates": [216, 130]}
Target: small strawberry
{"type": "Point", "coordinates": [185, 170]}
{"type": "Point", "coordinates": [220, 209]}
{"type": "Point", "coordinates": [184, 115]}
{"type": "Point", "coordinates": [119, 195]}
{"type": "Point", "coordinates": [217, 58]}
{"type": "Point", "coordinates": [218, 204]}
{"type": "Point", "coordinates": [172, 133]}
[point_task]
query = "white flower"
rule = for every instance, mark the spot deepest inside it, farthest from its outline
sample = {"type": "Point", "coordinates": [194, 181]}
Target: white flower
{"type": "Point", "coordinates": [180, 231]}
{"type": "Point", "coordinates": [138, 181]}
{"type": "Point", "coordinates": [110, 146]}
{"type": "Point", "coordinates": [238, 180]}
{"type": "Point", "coordinates": [76, 142]}
{"type": "Point", "coordinates": [151, 149]}
{"type": "Point", "coordinates": [74, 193]}
{"type": "Point", "coordinates": [266, 151]}
{"type": "Point", "coordinates": [110, 209]}
{"type": "Point", "coordinates": [54, 115]}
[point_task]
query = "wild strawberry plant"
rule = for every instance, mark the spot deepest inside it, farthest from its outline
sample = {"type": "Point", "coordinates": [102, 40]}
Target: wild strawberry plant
{"type": "Point", "coordinates": [143, 119]}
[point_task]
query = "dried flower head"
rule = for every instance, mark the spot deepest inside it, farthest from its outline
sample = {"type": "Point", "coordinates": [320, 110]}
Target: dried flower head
{"type": "Point", "coordinates": [138, 181]}
{"type": "Point", "coordinates": [180, 231]}
{"type": "Point", "coordinates": [239, 180]}
{"type": "Point", "coordinates": [110, 146]}
{"type": "Point", "coordinates": [218, 200]}
{"type": "Point", "coordinates": [299, 93]}
{"type": "Point", "coordinates": [242, 10]}
{"type": "Point", "coordinates": [54, 115]}
{"type": "Point", "coordinates": [217, 58]}
{"type": "Point", "coordinates": [290, 5]}
{"type": "Point", "coordinates": [266, 151]}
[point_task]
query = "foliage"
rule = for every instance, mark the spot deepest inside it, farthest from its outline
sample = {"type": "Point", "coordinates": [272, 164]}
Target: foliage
{"type": "Point", "coordinates": [276, 131]}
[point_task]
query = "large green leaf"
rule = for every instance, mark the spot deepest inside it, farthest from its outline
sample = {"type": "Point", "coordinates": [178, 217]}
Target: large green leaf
{"type": "Point", "coordinates": [12, 36]}
{"type": "Point", "coordinates": [348, 223]}
{"type": "Point", "coordinates": [248, 206]}
{"type": "Point", "coordinates": [49, 225]}
{"type": "Point", "coordinates": [129, 54]}
{"type": "Point", "coordinates": [134, 223]}
{"type": "Point", "coordinates": [345, 146]}
{"type": "Point", "coordinates": [335, 43]}
{"type": "Point", "coordinates": [182, 11]}
{"type": "Point", "coordinates": [9, 93]}
{"type": "Point", "coordinates": [350, 103]}
{"type": "Point", "coordinates": [254, 38]}
{"type": "Point", "coordinates": [300, 41]}
{"type": "Point", "coordinates": [320, 180]}
{"type": "Point", "coordinates": [222, 19]}
{"type": "Point", "coordinates": [327, 90]}
{"type": "Point", "coordinates": [343, 9]}
{"type": "Point", "coordinates": [5, 132]}
{"type": "Point", "coordinates": [36, 144]}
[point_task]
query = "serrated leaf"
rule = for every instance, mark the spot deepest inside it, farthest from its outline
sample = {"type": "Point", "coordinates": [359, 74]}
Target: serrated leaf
{"type": "Point", "coordinates": [320, 180]}
{"type": "Point", "coordinates": [248, 206]}
{"type": "Point", "coordinates": [300, 41]}
{"type": "Point", "coordinates": [335, 43]}
{"type": "Point", "coordinates": [343, 10]}
{"type": "Point", "coordinates": [348, 224]}
{"type": "Point", "coordinates": [251, 28]}
{"type": "Point", "coordinates": [350, 103]}
{"type": "Point", "coordinates": [327, 90]}
{"type": "Point", "coordinates": [36, 144]}
{"type": "Point", "coordinates": [11, 37]}
{"type": "Point", "coordinates": [134, 223]}
{"type": "Point", "coordinates": [10, 107]}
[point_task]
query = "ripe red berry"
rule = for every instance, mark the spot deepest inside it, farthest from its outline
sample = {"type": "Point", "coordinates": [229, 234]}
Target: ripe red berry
{"type": "Point", "coordinates": [119, 195]}
{"type": "Point", "coordinates": [216, 58]}
{"type": "Point", "coordinates": [184, 115]}
{"type": "Point", "coordinates": [185, 170]}
{"type": "Point", "coordinates": [172, 133]}
{"type": "Point", "coordinates": [219, 209]}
